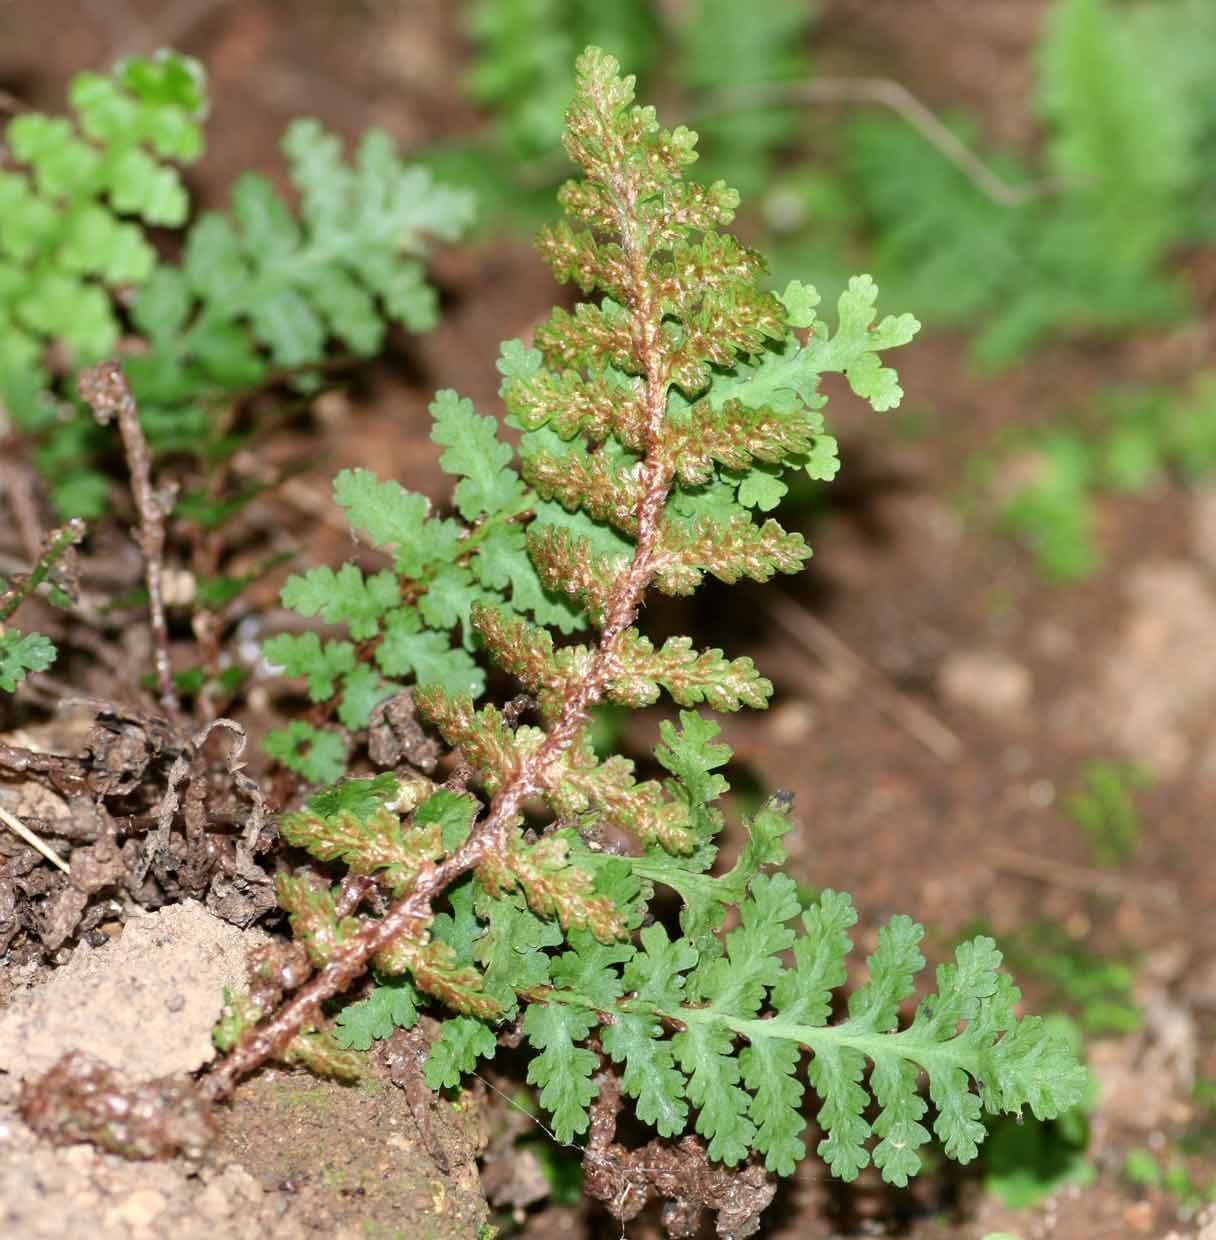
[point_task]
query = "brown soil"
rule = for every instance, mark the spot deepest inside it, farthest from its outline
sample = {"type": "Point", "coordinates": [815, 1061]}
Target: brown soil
{"type": "Point", "coordinates": [905, 574]}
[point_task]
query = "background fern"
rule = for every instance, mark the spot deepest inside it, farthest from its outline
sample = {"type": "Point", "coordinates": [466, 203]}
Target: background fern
{"type": "Point", "coordinates": [262, 292]}
{"type": "Point", "coordinates": [1126, 149]}
{"type": "Point", "coordinates": [1121, 96]}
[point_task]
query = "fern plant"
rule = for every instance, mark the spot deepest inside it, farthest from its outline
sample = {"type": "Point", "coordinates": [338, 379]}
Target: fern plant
{"type": "Point", "coordinates": [75, 208]}
{"type": "Point", "coordinates": [263, 293]}
{"type": "Point", "coordinates": [657, 422]}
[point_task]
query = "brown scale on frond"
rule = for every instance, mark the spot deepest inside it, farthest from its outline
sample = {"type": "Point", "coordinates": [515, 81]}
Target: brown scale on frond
{"type": "Point", "coordinates": [593, 482]}
{"type": "Point", "coordinates": [726, 549]}
{"type": "Point", "coordinates": [579, 259]}
{"type": "Point", "coordinates": [733, 436]}
{"type": "Point", "coordinates": [526, 652]}
{"type": "Point", "coordinates": [315, 921]}
{"type": "Point", "coordinates": [690, 676]}
{"type": "Point", "coordinates": [589, 339]}
{"type": "Point", "coordinates": [556, 888]}
{"type": "Point", "coordinates": [434, 970]}
{"type": "Point", "coordinates": [595, 406]}
{"type": "Point", "coordinates": [380, 845]}
{"type": "Point", "coordinates": [567, 563]}
{"type": "Point", "coordinates": [483, 737]}
{"type": "Point", "coordinates": [583, 783]}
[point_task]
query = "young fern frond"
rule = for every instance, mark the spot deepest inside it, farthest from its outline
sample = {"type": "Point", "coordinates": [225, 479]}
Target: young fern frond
{"type": "Point", "coordinates": [653, 423]}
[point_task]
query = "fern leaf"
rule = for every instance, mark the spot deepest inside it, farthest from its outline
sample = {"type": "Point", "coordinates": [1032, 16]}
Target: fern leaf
{"type": "Point", "coordinates": [21, 654]}
{"type": "Point", "coordinates": [476, 455]}
{"type": "Point", "coordinates": [690, 676]}
{"type": "Point", "coordinates": [302, 654]}
{"type": "Point", "coordinates": [769, 1068]}
{"type": "Point", "coordinates": [397, 520]}
{"type": "Point", "coordinates": [706, 1053]}
{"type": "Point", "coordinates": [427, 655]}
{"type": "Point", "coordinates": [454, 1054]}
{"type": "Point", "coordinates": [562, 1069]}
{"type": "Point", "coordinates": [729, 550]}
{"type": "Point", "coordinates": [317, 754]}
{"type": "Point", "coordinates": [650, 1076]}
{"type": "Point", "coordinates": [309, 904]}
{"type": "Point", "coordinates": [392, 1004]}
{"type": "Point", "coordinates": [378, 844]}
{"type": "Point", "coordinates": [345, 597]}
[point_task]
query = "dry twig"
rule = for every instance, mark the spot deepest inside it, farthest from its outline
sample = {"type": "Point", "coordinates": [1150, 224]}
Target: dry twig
{"type": "Point", "coordinates": [920, 723]}
{"type": "Point", "coordinates": [888, 93]}
{"type": "Point", "coordinates": [18, 828]}
{"type": "Point", "coordinates": [18, 484]}
{"type": "Point", "coordinates": [105, 388]}
{"type": "Point", "coordinates": [1081, 878]}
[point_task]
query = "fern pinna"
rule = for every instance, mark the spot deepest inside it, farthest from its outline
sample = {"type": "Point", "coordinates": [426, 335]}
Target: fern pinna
{"type": "Point", "coordinates": [656, 422]}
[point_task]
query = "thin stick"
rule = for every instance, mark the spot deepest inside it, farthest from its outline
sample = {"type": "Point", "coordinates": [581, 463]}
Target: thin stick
{"type": "Point", "coordinates": [17, 827]}
{"type": "Point", "coordinates": [105, 388]}
{"type": "Point", "coordinates": [888, 93]}
{"type": "Point", "coordinates": [921, 724]}
{"type": "Point", "coordinates": [1079, 877]}
{"type": "Point", "coordinates": [19, 485]}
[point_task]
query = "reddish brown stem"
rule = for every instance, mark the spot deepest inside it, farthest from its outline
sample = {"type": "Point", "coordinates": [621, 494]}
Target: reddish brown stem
{"type": "Point", "coordinates": [409, 914]}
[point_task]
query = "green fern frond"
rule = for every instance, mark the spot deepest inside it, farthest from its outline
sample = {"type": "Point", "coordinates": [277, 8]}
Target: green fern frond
{"type": "Point", "coordinates": [654, 422]}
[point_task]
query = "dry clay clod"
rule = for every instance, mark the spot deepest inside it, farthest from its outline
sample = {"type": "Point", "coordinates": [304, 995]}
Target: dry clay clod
{"type": "Point", "coordinates": [144, 1004]}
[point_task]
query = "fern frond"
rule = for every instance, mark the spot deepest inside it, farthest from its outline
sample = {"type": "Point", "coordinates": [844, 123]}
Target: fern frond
{"type": "Point", "coordinates": [654, 421]}
{"type": "Point", "coordinates": [745, 1023]}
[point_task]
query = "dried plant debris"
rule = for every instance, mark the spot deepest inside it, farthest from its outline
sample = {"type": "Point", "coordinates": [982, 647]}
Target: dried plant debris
{"type": "Point", "coordinates": [681, 1176]}
{"type": "Point", "coordinates": [396, 738]}
{"type": "Point", "coordinates": [81, 1099]}
{"type": "Point", "coordinates": [143, 816]}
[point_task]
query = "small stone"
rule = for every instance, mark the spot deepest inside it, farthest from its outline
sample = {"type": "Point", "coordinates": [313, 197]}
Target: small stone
{"type": "Point", "coordinates": [985, 681]}
{"type": "Point", "coordinates": [1053, 641]}
{"type": "Point", "coordinates": [1139, 1217]}
{"type": "Point", "coordinates": [160, 985]}
{"type": "Point", "coordinates": [212, 1203]}
{"type": "Point", "coordinates": [1152, 692]}
{"type": "Point", "coordinates": [79, 1157]}
{"type": "Point", "coordinates": [139, 1209]}
{"type": "Point", "coordinates": [792, 722]}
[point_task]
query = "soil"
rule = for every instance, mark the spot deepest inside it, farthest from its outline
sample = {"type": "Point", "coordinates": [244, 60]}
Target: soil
{"type": "Point", "coordinates": [929, 767]}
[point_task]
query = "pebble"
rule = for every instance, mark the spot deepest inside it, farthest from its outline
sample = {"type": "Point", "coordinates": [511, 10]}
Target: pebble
{"type": "Point", "coordinates": [985, 681]}
{"type": "Point", "coordinates": [139, 1209]}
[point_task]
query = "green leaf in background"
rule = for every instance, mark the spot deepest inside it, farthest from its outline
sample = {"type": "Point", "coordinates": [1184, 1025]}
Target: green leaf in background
{"type": "Point", "coordinates": [22, 653]}
{"type": "Point", "coordinates": [318, 755]}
